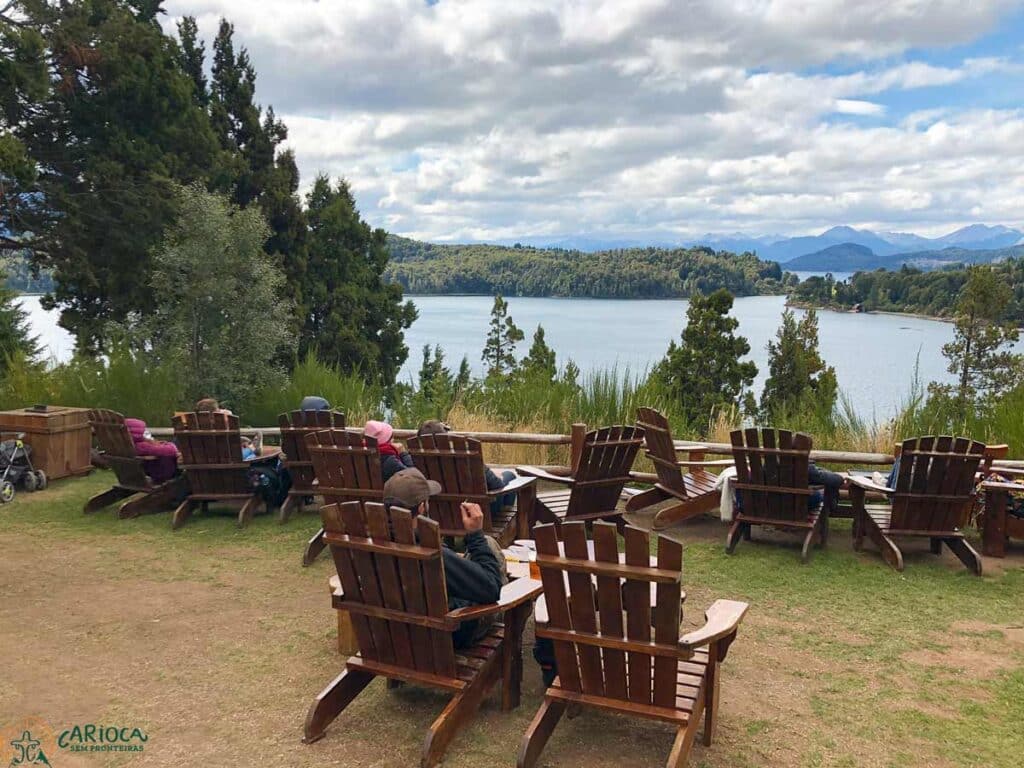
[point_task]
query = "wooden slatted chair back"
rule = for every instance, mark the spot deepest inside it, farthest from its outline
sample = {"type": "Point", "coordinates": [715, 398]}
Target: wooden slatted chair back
{"type": "Point", "coordinates": [935, 483]}
{"type": "Point", "coordinates": [118, 447]}
{"type": "Point", "coordinates": [347, 465]}
{"type": "Point", "coordinates": [392, 574]}
{"type": "Point", "coordinates": [600, 615]}
{"type": "Point", "coordinates": [771, 472]}
{"type": "Point", "coordinates": [211, 453]}
{"type": "Point", "coordinates": [603, 470]}
{"type": "Point", "coordinates": [661, 449]}
{"type": "Point", "coordinates": [457, 463]}
{"type": "Point", "coordinates": [294, 428]}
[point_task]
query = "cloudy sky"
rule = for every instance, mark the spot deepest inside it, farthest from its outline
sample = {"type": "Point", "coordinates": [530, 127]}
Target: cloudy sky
{"type": "Point", "coordinates": [488, 119]}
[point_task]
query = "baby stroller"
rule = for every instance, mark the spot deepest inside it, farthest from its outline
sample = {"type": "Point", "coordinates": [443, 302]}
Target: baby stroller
{"type": "Point", "coordinates": [16, 466]}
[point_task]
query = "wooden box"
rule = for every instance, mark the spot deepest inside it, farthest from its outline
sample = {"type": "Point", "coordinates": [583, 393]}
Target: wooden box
{"type": "Point", "coordinates": [61, 438]}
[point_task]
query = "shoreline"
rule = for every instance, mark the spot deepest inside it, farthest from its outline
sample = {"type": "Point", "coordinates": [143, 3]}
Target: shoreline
{"type": "Point", "coordinates": [914, 315]}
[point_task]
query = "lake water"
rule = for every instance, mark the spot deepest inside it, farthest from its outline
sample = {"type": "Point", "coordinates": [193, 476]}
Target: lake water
{"type": "Point", "coordinates": [874, 355]}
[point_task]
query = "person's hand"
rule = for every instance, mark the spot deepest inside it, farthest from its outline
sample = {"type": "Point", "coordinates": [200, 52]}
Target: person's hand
{"type": "Point", "coordinates": [399, 447]}
{"type": "Point", "coordinates": [472, 517]}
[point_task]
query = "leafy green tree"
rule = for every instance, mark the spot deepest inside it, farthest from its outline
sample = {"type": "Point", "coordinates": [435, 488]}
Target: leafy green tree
{"type": "Point", "coordinates": [981, 354]}
{"type": "Point", "coordinates": [540, 360]}
{"type": "Point", "coordinates": [16, 339]}
{"type": "Point", "coordinates": [500, 350]}
{"type": "Point", "coordinates": [704, 373]}
{"type": "Point", "coordinates": [114, 131]}
{"type": "Point", "coordinates": [350, 315]}
{"type": "Point", "coordinates": [219, 315]}
{"type": "Point", "coordinates": [798, 378]}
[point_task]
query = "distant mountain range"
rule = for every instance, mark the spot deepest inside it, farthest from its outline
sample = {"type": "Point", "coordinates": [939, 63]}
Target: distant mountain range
{"type": "Point", "coordinates": [842, 248]}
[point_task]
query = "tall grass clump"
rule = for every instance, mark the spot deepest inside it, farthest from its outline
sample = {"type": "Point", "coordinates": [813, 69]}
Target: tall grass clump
{"type": "Point", "coordinates": [351, 393]}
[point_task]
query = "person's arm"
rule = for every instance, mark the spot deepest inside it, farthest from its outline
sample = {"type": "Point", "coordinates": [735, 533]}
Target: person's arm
{"type": "Point", "coordinates": [406, 459]}
{"type": "Point", "coordinates": [155, 448]}
{"type": "Point", "coordinates": [476, 577]}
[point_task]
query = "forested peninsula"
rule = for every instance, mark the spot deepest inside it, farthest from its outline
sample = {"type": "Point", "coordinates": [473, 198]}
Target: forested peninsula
{"type": "Point", "coordinates": [909, 290]}
{"type": "Point", "coordinates": [631, 273]}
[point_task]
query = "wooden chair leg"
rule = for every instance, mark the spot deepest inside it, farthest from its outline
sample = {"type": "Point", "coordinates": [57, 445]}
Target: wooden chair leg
{"type": "Point", "coordinates": [512, 655]}
{"type": "Point", "coordinates": [993, 527]}
{"type": "Point", "coordinates": [248, 510]}
{"type": "Point", "coordinates": [645, 499]}
{"type": "Point", "coordinates": [526, 511]}
{"type": "Point", "coordinates": [967, 554]}
{"type": "Point", "coordinates": [182, 513]}
{"type": "Point", "coordinates": [711, 697]}
{"type": "Point", "coordinates": [459, 711]}
{"type": "Point", "coordinates": [681, 747]}
{"type": "Point", "coordinates": [285, 512]}
{"type": "Point", "coordinates": [540, 730]}
{"type": "Point", "coordinates": [332, 700]}
{"type": "Point", "coordinates": [733, 538]}
{"type": "Point", "coordinates": [159, 500]}
{"type": "Point", "coordinates": [935, 545]}
{"type": "Point", "coordinates": [314, 547]}
{"type": "Point", "coordinates": [890, 552]}
{"type": "Point", "coordinates": [105, 499]}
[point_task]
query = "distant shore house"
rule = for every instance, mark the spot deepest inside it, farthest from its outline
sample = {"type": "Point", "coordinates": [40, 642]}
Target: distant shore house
{"type": "Point", "coordinates": [858, 307]}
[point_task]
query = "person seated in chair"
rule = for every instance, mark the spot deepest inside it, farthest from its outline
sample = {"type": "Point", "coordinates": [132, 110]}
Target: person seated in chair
{"type": "Point", "coordinates": [475, 578]}
{"type": "Point", "coordinates": [164, 465]}
{"type": "Point", "coordinates": [251, 447]}
{"type": "Point", "coordinates": [393, 456]}
{"type": "Point", "coordinates": [314, 403]}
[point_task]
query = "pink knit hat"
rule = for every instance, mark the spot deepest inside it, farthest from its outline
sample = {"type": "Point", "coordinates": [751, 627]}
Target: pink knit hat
{"type": "Point", "coordinates": [379, 430]}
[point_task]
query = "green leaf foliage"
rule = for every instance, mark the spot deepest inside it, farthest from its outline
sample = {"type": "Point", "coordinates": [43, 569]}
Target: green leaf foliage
{"type": "Point", "coordinates": [503, 334]}
{"type": "Point", "coordinates": [798, 378]}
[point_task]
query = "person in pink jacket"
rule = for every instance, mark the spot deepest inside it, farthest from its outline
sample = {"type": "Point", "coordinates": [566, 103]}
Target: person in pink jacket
{"type": "Point", "coordinates": [165, 465]}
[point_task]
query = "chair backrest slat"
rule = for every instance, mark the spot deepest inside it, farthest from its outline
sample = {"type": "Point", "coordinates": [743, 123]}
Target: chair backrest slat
{"type": "Point", "coordinates": [773, 465]}
{"type": "Point", "coordinates": [408, 585]}
{"type": "Point", "coordinates": [609, 652]}
{"type": "Point", "coordinates": [347, 465]}
{"type": "Point", "coordinates": [206, 440]}
{"type": "Point", "coordinates": [603, 471]}
{"type": "Point", "coordinates": [457, 463]}
{"type": "Point", "coordinates": [661, 449]}
{"type": "Point", "coordinates": [944, 467]}
{"type": "Point", "coordinates": [294, 428]}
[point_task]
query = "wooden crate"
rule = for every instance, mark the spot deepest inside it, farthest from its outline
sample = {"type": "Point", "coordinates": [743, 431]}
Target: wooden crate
{"type": "Point", "coordinates": [61, 437]}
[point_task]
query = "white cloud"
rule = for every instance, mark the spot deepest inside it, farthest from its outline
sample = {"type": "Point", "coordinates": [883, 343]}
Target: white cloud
{"type": "Point", "coordinates": [493, 119]}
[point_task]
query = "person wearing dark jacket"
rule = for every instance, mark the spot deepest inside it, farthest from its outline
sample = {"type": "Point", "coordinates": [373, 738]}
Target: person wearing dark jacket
{"type": "Point", "coordinates": [393, 457]}
{"type": "Point", "coordinates": [475, 578]}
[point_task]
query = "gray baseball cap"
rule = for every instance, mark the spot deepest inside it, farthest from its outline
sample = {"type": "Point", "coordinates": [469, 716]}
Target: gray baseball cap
{"type": "Point", "coordinates": [410, 488]}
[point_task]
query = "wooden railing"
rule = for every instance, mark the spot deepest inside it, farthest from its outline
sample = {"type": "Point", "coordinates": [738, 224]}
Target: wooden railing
{"type": "Point", "coordinates": [575, 441]}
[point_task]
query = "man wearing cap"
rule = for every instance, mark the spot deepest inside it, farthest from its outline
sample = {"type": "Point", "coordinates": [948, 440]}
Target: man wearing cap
{"type": "Point", "coordinates": [473, 579]}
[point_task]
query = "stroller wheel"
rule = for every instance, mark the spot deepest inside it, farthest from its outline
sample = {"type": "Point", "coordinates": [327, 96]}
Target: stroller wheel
{"type": "Point", "coordinates": [30, 481]}
{"type": "Point", "coordinates": [41, 480]}
{"type": "Point", "coordinates": [6, 491]}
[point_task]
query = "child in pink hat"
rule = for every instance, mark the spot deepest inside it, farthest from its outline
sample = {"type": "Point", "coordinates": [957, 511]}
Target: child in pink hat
{"type": "Point", "coordinates": [393, 456]}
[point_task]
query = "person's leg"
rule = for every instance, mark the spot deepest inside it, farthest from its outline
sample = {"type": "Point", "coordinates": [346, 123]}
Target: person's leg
{"type": "Point", "coordinates": [832, 481]}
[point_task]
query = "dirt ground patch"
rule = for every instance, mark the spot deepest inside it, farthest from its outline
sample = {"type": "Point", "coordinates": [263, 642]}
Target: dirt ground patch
{"type": "Point", "coordinates": [216, 651]}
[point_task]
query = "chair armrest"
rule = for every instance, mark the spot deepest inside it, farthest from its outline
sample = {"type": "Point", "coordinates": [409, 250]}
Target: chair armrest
{"type": "Point", "coordinates": [1015, 471]}
{"type": "Point", "coordinates": [720, 620]}
{"type": "Point", "coordinates": [867, 485]}
{"type": "Point", "coordinates": [541, 474]}
{"type": "Point", "coordinates": [513, 486]}
{"type": "Point", "coordinates": [512, 594]}
{"type": "Point", "coordinates": [993, 485]}
{"type": "Point", "coordinates": [711, 463]}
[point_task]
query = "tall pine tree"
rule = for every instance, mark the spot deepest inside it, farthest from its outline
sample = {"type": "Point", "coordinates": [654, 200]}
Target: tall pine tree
{"type": "Point", "coordinates": [704, 373]}
{"type": "Point", "coordinates": [500, 350]}
{"type": "Point", "coordinates": [540, 360]}
{"type": "Point", "coordinates": [798, 379]}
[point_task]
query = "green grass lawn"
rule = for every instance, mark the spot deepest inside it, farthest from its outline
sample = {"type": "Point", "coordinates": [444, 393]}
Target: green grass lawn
{"type": "Point", "coordinates": [841, 662]}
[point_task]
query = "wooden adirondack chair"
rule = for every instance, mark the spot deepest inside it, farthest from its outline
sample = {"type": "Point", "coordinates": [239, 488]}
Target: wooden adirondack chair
{"type": "Point", "coordinates": [606, 655]}
{"type": "Point", "coordinates": [598, 479]}
{"type": "Point", "coordinates": [933, 499]}
{"type": "Point", "coordinates": [695, 491]}
{"type": "Point", "coordinates": [347, 468]}
{"type": "Point", "coordinates": [457, 463]}
{"type": "Point", "coordinates": [128, 467]}
{"type": "Point", "coordinates": [211, 452]}
{"type": "Point", "coordinates": [771, 480]}
{"type": "Point", "coordinates": [998, 526]}
{"type": "Point", "coordinates": [393, 586]}
{"type": "Point", "coordinates": [294, 428]}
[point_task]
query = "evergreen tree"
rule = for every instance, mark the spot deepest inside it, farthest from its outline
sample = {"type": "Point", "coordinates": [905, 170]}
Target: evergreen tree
{"type": "Point", "coordinates": [540, 360]}
{"type": "Point", "coordinates": [435, 380]}
{"type": "Point", "coordinates": [218, 314]}
{"type": "Point", "coordinates": [16, 339]}
{"type": "Point", "coordinates": [980, 354]}
{"type": "Point", "coordinates": [117, 126]}
{"type": "Point", "coordinates": [704, 372]}
{"type": "Point", "coordinates": [500, 351]}
{"type": "Point", "coordinates": [352, 318]}
{"type": "Point", "coordinates": [464, 376]}
{"type": "Point", "coordinates": [798, 378]}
